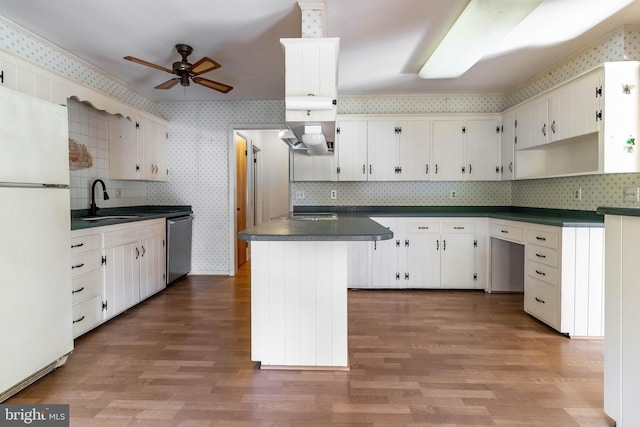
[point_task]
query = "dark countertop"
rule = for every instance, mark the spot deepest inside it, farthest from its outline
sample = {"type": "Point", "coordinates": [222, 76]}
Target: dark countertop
{"type": "Point", "coordinates": [130, 213]}
{"type": "Point", "coordinates": [607, 210]}
{"type": "Point", "coordinates": [553, 217]}
{"type": "Point", "coordinates": [342, 228]}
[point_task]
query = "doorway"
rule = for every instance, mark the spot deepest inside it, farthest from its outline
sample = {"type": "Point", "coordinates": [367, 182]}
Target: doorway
{"type": "Point", "coordinates": [241, 197]}
{"type": "Point", "coordinates": [259, 178]}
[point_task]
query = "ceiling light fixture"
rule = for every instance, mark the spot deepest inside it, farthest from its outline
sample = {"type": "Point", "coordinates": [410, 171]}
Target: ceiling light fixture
{"type": "Point", "coordinates": [481, 25]}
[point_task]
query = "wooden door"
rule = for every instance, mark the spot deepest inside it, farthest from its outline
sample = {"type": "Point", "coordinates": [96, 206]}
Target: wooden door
{"type": "Point", "coordinates": [241, 197]}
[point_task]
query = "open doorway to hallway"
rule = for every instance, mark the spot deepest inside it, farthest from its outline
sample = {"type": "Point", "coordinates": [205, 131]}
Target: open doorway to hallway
{"type": "Point", "coordinates": [261, 181]}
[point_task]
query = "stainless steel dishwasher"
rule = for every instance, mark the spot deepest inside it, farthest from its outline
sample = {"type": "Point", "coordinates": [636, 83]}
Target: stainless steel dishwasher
{"type": "Point", "coordinates": [178, 247]}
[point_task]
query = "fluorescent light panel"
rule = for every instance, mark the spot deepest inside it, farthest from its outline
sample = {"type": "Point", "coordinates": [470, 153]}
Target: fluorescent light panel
{"type": "Point", "coordinates": [482, 24]}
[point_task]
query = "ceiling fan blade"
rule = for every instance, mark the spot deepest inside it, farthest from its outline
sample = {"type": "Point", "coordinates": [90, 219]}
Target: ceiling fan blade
{"type": "Point", "coordinates": [168, 84]}
{"type": "Point", "coordinates": [148, 64]}
{"type": "Point", "coordinates": [204, 65]}
{"type": "Point", "coordinates": [221, 87]}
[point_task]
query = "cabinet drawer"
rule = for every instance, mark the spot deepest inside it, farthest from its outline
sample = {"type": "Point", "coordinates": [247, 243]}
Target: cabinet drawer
{"type": "Point", "coordinates": [542, 255]}
{"type": "Point", "coordinates": [423, 227]}
{"type": "Point", "coordinates": [541, 301]}
{"type": "Point", "coordinates": [132, 232]}
{"type": "Point", "coordinates": [506, 232]}
{"type": "Point", "coordinates": [548, 239]}
{"type": "Point", "coordinates": [83, 244]}
{"type": "Point", "coordinates": [85, 263]}
{"type": "Point", "coordinates": [86, 286]}
{"type": "Point", "coordinates": [86, 315]}
{"type": "Point", "coordinates": [458, 227]}
{"type": "Point", "coordinates": [542, 272]}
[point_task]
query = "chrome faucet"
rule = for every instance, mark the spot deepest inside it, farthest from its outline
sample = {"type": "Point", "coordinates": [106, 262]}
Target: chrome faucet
{"type": "Point", "coordinates": [93, 209]}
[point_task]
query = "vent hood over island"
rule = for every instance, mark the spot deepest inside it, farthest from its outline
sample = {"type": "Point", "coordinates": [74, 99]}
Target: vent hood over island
{"type": "Point", "coordinates": [311, 77]}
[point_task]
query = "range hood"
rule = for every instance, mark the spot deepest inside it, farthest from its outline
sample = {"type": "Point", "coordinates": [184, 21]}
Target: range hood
{"type": "Point", "coordinates": [311, 75]}
{"type": "Point", "coordinates": [311, 138]}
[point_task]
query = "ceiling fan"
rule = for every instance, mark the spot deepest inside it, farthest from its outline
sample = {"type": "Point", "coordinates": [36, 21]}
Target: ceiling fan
{"type": "Point", "coordinates": [185, 71]}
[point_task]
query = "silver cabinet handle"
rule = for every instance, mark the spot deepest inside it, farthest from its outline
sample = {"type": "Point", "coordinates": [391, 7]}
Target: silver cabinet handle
{"type": "Point", "coordinates": [364, 170]}
{"type": "Point", "coordinates": [144, 251]}
{"type": "Point", "coordinates": [511, 167]}
{"type": "Point", "coordinates": [137, 253]}
{"type": "Point", "coordinates": [544, 129]}
{"type": "Point", "coordinates": [553, 127]}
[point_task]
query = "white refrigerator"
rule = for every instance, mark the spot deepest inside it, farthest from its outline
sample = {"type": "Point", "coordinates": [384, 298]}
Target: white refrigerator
{"type": "Point", "coordinates": [35, 261]}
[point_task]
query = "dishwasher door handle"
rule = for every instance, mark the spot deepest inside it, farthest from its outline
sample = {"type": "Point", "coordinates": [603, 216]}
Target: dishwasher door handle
{"type": "Point", "coordinates": [176, 220]}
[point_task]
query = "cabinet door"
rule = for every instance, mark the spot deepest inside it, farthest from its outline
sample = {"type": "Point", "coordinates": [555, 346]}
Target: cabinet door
{"type": "Point", "coordinates": [458, 261]}
{"type": "Point", "coordinates": [152, 266]}
{"type": "Point", "coordinates": [121, 279]}
{"type": "Point", "coordinates": [422, 260]}
{"type": "Point", "coordinates": [385, 259]}
{"type": "Point", "coordinates": [9, 69]}
{"type": "Point", "coordinates": [152, 150]}
{"type": "Point", "coordinates": [382, 150]}
{"type": "Point", "coordinates": [414, 150]}
{"type": "Point", "coordinates": [507, 143]}
{"type": "Point", "coordinates": [314, 168]}
{"type": "Point", "coordinates": [560, 114]}
{"type": "Point", "coordinates": [585, 104]}
{"type": "Point", "coordinates": [522, 126]}
{"type": "Point", "coordinates": [123, 148]}
{"type": "Point", "coordinates": [482, 150]}
{"type": "Point", "coordinates": [352, 150]}
{"type": "Point", "coordinates": [538, 123]}
{"type": "Point", "coordinates": [447, 150]}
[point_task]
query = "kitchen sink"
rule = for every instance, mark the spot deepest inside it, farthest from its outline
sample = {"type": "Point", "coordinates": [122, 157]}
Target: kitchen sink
{"type": "Point", "coordinates": [100, 218]}
{"type": "Point", "coordinates": [314, 216]}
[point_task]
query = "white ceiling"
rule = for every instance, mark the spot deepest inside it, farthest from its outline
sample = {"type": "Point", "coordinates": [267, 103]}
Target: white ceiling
{"type": "Point", "coordinates": [383, 43]}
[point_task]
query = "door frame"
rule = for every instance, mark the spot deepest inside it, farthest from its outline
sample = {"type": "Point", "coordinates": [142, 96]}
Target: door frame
{"type": "Point", "coordinates": [231, 150]}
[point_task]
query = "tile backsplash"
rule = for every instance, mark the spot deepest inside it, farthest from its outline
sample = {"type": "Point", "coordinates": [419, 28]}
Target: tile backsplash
{"type": "Point", "coordinates": [90, 127]}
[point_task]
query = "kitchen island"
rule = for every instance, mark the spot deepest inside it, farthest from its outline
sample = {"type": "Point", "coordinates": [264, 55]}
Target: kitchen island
{"type": "Point", "coordinates": [299, 288]}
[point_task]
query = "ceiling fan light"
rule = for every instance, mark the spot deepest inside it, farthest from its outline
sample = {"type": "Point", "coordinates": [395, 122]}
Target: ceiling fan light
{"type": "Point", "coordinates": [184, 79]}
{"type": "Point", "coordinates": [481, 25]}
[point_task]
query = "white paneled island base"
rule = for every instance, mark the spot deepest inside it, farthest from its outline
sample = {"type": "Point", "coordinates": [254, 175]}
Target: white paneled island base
{"type": "Point", "coordinates": [299, 304]}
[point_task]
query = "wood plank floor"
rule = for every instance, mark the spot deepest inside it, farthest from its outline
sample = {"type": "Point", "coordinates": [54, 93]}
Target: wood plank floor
{"type": "Point", "coordinates": [418, 358]}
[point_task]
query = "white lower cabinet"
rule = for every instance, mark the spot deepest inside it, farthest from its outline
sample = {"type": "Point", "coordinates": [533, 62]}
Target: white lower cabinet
{"type": "Point", "coordinates": [134, 266]}
{"type": "Point", "coordinates": [563, 274]}
{"type": "Point", "coordinates": [86, 282]}
{"type": "Point", "coordinates": [425, 253]}
{"type": "Point", "coordinates": [113, 268]}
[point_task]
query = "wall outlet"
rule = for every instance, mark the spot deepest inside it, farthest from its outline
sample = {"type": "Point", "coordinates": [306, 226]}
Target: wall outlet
{"type": "Point", "coordinates": [631, 194]}
{"type": "Point", "coordinates": [577, 194]}
{"type": "Point", "coordinates": [118, 193]}
{"type": "Point", "coordinates": [453, 195]}
{"type": "Point", "coordinates": [334, 194]}
{"type": "Point", "coordinates": [299, 195]}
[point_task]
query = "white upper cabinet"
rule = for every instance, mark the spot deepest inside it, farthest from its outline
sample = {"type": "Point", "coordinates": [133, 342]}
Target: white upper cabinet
{"type": "Point", "coordinates": [414, 150]}
{"type": "Point", "coordinates": [137, 149]}
{"type": "Point", "coordinates": [466, 149]}
{"type": "Point", "coordinates": [382, 150]}
{"type": "Point", "coordinates": [585, 126]}
{"type": "Point", "coordinates": [313, 168]}
{"type": "Point", "coordinates": [31, 80]}
{"type": "Point", "coordinates": [508, 138]}
{"type": "Point", "coordinates": [482, 149]}
{"type": "Point", "coordinates": [311, 76]}
{"type": "Point", "coordinates": [447, 153]}
{"type": "Point", "coordinates": [351, 139]}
